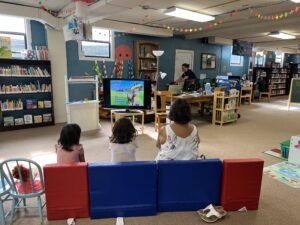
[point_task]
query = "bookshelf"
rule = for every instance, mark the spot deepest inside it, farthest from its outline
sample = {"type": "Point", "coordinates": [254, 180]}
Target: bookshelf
{"type": "Point", "coordinates": [145, 62]}
{"type": "Point", "coordinates": [26, 99]}
{"type": "Point", "coordinates": [276, 76]}
{"type": "Point", "coordinates": [88, 107]}
{"type": "Point", "coordinates": [225, 108]}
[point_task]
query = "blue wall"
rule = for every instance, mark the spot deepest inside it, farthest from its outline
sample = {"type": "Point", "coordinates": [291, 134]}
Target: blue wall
{"type": "Point", "coordinates": [167, 61]}
{"type": "Point", "coordinates": [38, 34]}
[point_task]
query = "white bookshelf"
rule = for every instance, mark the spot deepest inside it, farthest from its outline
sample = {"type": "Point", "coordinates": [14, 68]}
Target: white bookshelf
{"type": "Point", "coordinates": [84, 113]}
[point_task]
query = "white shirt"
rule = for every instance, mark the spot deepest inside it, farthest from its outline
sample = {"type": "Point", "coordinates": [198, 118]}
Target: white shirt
{"type": "Point", "coordinates": [177, 148]}
{"type": "Point", "coordinates": [123, 152]}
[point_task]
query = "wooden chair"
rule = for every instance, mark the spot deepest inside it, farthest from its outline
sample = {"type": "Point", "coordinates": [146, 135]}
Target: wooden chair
{"type": "Point", "coordinates": [248, 95]}
{"type": "Point", "coordinates": [160, 107]}
{"type": "Point", "coordinates": [268, 94]}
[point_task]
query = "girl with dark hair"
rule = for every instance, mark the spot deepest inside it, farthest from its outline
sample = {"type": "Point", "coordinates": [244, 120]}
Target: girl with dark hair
{"type": "Point", "coordinates": [68, 149]}
{"type": "Point", "coordinates": [179, 140]}
{"type": "Point", "coordinates": [122, 141]}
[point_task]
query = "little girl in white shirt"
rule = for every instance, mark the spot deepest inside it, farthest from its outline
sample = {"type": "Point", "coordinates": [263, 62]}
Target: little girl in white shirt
{"type": "Point", "coordinates": [122, 141]}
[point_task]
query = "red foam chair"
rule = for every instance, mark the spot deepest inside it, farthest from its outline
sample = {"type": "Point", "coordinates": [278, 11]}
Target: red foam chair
{"type": "Point", "coordinates": [66, 188]}
{"type": "Point", "coordinates": [241, 183]}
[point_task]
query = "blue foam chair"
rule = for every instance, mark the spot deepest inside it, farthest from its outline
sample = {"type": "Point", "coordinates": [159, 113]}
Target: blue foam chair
{"type": "Point", "coordinates": [122, 189]}
{"type": "Point", "coordinates": [188, 185]}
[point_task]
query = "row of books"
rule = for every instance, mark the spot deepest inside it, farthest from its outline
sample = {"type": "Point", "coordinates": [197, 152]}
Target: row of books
{"type": "Point", "coordinates": [34, 104]}
{"type": "Point", "coordinates": [21, 71]}
{"type": "Point", "coordinates": [12, 105]}
{"type": "Point", "coordinates": [284, 76]}
{"type": "Point", "coordinates": [279, 80]}
{"type": "Point", "coordinates": [146, 51]}
{"type": "Point", "coordinates": [40, 53]}
{"type": "Point", "coordinates": [25, 88]}
{"type": "Point", "coordinates": [27, 119]}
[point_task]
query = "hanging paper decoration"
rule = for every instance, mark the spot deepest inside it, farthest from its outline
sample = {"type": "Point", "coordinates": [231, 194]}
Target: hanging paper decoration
{"type": "Point", "coordinates": [120, 69]}
{"type": "Point", "coordinates": [85, 1]}
{"type": "Point", "coordinates": [123, 53]}
{"type": "Point", "coordinates": [253, 12]}
{"type": "Point", "coordinates": [278, 16]}
{"type": "Point", "coordinates": [75, 25]}
{"type": "Point", "coordinates": [105, 70]}
{"type": "Point", "coordinates": [98, 73]}
{"type": "Point", "coordinates": [114, 70]}
{"type": "Point", "coordinates": [130, 69]}
{"type": "Point", "coordinates": [121, 35]}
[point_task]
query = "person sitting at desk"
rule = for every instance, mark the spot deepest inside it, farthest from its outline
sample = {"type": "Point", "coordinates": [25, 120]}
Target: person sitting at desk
{"type": "Point", "coordinates": [187, 73]}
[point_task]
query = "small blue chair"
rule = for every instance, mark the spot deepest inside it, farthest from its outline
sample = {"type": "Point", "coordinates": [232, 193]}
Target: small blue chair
{"type": "Point", "coordinates": [4, 196]}
{"type": "Point", "coordinates": [6, 168]}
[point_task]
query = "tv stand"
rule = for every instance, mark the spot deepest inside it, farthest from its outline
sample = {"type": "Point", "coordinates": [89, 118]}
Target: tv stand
{"type": "Point", "coordinates": [117, 114]}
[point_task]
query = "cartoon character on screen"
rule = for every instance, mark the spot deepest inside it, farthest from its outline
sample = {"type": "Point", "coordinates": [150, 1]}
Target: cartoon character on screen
{"type": "Point", "coordinates": [131, 99]}
{"type": "Point", "coordinates": [134, 90]}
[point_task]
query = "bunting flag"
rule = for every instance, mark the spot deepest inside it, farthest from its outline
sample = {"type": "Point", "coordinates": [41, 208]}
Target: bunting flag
{"type": "Point", "coordinates": [255, 13]}
{"type": "Point", "coordinates": [278, 16]}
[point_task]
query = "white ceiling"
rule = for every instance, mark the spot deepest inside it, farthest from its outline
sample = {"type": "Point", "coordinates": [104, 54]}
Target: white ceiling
{"type": "Point", "coordinates": [240, 26]}
{"type": "Point", "coordinates": [54, 5]}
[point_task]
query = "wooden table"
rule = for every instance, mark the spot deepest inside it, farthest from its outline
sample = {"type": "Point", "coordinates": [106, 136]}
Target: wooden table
{"type": "Point", "coordinates": [117, 114]}
{"type": "Point", "coordinates": [191, 99]}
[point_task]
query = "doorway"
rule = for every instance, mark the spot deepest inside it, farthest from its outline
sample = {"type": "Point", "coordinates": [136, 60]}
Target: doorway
{"type": "Point", "coordinates": [183, 56]}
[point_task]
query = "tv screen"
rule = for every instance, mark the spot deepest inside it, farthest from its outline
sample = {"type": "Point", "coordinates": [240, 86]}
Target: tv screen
{"type": "Point", "coordinates": [242, 48]}
{"type": "Point", "coordinates": [126, 93]}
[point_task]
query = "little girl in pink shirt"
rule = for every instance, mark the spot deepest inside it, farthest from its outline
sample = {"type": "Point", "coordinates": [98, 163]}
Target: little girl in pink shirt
{"type": "Point", "coordinates": [68, 149]}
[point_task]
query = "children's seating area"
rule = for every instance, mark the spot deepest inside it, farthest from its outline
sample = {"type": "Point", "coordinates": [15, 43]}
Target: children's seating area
{"type": "Point", "coordinates": [108, 190]}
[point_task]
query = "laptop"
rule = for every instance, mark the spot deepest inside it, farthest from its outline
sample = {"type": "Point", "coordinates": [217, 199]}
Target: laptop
{"type": "Point", "coordinates": [176, 88]}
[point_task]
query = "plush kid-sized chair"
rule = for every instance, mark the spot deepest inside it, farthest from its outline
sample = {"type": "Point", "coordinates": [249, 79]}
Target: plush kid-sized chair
{"type": "Point", "coordinates": [241, 183]}
{"type": "Point", "coordinates": [66, 189]}
{"type": "Point", "coordinates": [122, 189]}
{"type": "Point", "coordinates": [25, 179]}
{"type": "Point", "coordinates": [188, 185]}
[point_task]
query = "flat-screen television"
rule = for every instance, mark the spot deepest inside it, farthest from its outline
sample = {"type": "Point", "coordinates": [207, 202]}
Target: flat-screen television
{"type": "Point", "coordinates": [127, 93]}
{"type": "Point", "coordinates": [242, 48]}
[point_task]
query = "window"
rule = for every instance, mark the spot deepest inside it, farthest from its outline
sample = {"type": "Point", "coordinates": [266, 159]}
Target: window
{"type": "Point", "coordinates": [236, 60]}
{"type": "Point", "coordinates": [260, 59]}
{"type": "Point", "coordinates": [14, 28]}
{"type": "Point", "coordinates": [100, 46]}
{"type": "Point", "coordinates": [278, 58]}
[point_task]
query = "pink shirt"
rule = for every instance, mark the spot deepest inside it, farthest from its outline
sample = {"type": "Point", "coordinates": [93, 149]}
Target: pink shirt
{"type": "Point", "coordinates": [63, 156]}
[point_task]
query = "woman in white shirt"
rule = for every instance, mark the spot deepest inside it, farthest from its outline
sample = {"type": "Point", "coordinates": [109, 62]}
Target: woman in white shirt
{"type": "Point", "coordinates": [179, 140]}
{"type": "Point", "coordinates": [122, 141]}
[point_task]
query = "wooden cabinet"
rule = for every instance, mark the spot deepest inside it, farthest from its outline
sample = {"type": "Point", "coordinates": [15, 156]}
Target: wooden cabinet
{"type": "Point", "coordinates": [145, 63]}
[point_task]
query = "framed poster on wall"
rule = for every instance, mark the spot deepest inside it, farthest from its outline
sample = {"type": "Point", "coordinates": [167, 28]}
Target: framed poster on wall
{"type": "Point", "coordinates": [208, 61]}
